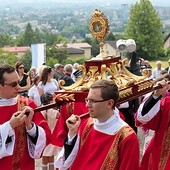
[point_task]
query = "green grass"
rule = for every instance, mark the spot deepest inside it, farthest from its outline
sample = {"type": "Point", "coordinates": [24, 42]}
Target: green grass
{"type": "Point", "coordinates": [164, 64]}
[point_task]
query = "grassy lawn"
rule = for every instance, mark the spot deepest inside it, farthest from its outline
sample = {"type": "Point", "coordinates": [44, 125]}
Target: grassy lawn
{"type": "Point", "coordinates": [164, 64]}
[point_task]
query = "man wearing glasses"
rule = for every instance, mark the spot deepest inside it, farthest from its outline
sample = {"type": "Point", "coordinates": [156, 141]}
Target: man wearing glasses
{"type": "Point", "coordinates": [23, 134]}
{"type": "Point", "coordinates": [104, 141]}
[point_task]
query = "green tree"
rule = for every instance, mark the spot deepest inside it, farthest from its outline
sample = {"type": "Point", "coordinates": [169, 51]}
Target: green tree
{"type": "Point", "coordinates": [49, 38]}
{"type": "Point", "coordinates": [6, 40]}
{"type": "Point", "coordinates": [27, 38]}
{"type": "Point", "coordinates": [167, 52]}
{"type": "Point", "coordinates": [51, 61]}
{"type": "Point", "coordinates": [145, 27]}
{"type": "Point", "coordinates": [59, 54]}
{"type": "Point", "coordinates": [27, 60]}
{"type": "Point", "coordinates": [37, 36]}
{"type": "Point", "coordinates": [7, 58]}
{"type": "Point", "coordinates": [110, 37]}
{"type": "Point", "coordinates": [95, 46]}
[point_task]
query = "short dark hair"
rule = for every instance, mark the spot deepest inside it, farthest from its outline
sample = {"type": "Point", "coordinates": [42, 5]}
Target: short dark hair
{"type": "Point", "coordinates": [5, 68]}
{"type": "Point", "coordinates": [109, 90]}
{"type": "Point", "coordinates": [46, 98]}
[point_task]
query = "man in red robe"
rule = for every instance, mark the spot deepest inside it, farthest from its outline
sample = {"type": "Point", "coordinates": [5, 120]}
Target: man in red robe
{"type": "Point", "coordinates": [104, 141]}
{"type": "Point", "coordinates": [23, 134]}
{"type": "Point", "coordinates": [154, 114]}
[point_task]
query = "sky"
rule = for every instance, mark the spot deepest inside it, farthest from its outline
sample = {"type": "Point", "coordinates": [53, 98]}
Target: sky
{"type": "Point", "coordinates": [154, 2]}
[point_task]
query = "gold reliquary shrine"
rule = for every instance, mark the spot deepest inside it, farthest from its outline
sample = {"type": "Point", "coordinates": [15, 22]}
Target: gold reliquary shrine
{"type": "Point", "coordinates": [106, 67]}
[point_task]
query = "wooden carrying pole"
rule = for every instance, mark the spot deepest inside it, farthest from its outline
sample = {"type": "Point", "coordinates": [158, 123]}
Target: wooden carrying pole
{"type": "Point", "coordinates": [60, 102]}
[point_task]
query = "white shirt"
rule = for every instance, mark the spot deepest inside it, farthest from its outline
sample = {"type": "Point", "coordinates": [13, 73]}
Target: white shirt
{"type": "Point", "coordinates": [156, 73]}
{"type": "Point", "coordinates": [34, 94]}
{"type": "Point", "coordinates": [49, 87]}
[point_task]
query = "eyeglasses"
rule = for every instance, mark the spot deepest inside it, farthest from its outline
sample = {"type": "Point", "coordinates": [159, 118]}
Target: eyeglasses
{"type": "Point", "coordinates": [14, 84]}
{"type": "Point", "coordinates": [21, 67]}
{"type": "Point", "coordinates": [91, 101]}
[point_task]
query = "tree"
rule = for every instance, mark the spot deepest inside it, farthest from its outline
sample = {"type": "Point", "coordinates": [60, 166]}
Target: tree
{"type": "Point", "coordinates": [110, 37]}
{"type": "Point", "coordinates": [49, 38]}
{"type": "Point", "coordinates": [59, 54]}
{"type": "Point", "coordinates": [7, 58]}
{"type": "Point", "coordinates": [27, 38]}
{"type": "Point", "coordinates": [167, 52]}
{"type": "Point", "coordinates": [95, 46]}
{"type": "Point", "coordinates": [144, 27]}
{"type": "Point", "coordinates": [6, 40]}
{"type": "Point", "coordinates": [27, 60]}
{"type": "Point", "coordinates": [37, 36]}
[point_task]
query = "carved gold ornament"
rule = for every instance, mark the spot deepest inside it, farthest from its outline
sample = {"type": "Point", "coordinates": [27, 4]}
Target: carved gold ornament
{"type": "Point", "coordinates": [99, 25]}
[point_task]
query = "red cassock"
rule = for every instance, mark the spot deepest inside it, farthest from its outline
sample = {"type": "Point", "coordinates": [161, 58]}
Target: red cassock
{"type": "Point", "coordinates": [60, 130]}
{"type": "Point", "coordinates": [157, 155]}
{"type": "Point", "coordinates": [20, 159]}
{"type": "Point", "coordinates": [101, 151]}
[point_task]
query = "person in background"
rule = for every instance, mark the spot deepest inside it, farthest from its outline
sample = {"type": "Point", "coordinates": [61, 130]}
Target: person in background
{"type": "Point", "coordinates": [130, 110]}
{"type": "Point", "coordinates": [163, 72]}
{"type": "Point", "coordinates": [32, 73]}
{"type": "Point", "coordinates": [153, 114]}
{"type": "Point", "coordinates": [145, 65]}
{"type": "Point", "coordinates": [76, 72]}
{"type": "Point", "coordinates": [51, 115]}
{"type": "Point", "coordinates": [134, 66]}
{"type": "Point", "coordinates": [47, 83]}
{"type": "Point", "coordinates": [168, 68]}
{"type": "Point", "coordinates": [25, 82]}
{"type": "Point", "coordinates": [104, 128]}
{"type": "Point", "coordinates": [68, 69]}
{"type": "Point", "coordinates": [156, 72]}
{"type": "Point", "coordinates": [23, 133]}
{"type": "Point", "coordinates": [40, 69]}
{"type": "Point", "coordinates": [33, 92]}
{"type": "Point", "coordinates": [58, 71]}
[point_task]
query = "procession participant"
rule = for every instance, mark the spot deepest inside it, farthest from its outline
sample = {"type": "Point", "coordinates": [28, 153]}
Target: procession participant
{"type": "Point", "coordinates": [23, 134]}
{"type": "Point", "coordinates": [104, 141]}
{"type": "Point", "coordinates": [154, 114]}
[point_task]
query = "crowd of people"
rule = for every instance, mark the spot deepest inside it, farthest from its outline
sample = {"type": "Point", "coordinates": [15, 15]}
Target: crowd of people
{"type": "Point", "coordinates": [105, 138]}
